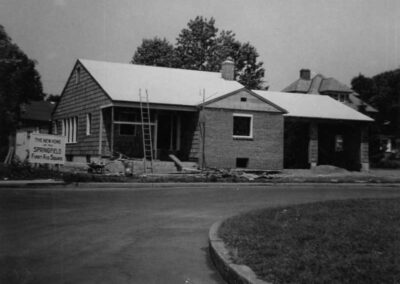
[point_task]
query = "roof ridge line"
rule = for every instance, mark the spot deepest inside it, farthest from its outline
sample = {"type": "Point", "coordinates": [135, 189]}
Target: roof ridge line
{"type": "Point", "coordinates": [144, 65]}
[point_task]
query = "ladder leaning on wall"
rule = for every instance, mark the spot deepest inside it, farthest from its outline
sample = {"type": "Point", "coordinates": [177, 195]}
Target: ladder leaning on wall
{"type": "Point", "coordinates": [146, 132]}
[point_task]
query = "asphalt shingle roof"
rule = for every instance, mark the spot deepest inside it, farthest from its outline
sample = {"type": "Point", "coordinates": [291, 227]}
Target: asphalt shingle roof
{"type": "Point", "coordinates": [333, 85]}
{"type": "Point", "coordinates": [320, 85]}
{"type": "Point", "coordinates": [313, 106]}
{"type": "Point", "coordinates": [164, 85]}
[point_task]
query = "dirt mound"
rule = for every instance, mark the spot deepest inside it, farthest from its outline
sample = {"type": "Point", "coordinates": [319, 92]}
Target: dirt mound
{"type": "Point", "coordinates": [328, 169]}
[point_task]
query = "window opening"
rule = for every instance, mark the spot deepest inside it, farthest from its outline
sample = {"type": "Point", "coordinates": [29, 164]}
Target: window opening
{"type": "Point", "coordinates": [78, 75]}
{"type": "Point", "coordinates": [242, 126]}
{"type": "Point", "coordinates": [338, 143]}
{"type": "Point", "coordinates": [88, 123]}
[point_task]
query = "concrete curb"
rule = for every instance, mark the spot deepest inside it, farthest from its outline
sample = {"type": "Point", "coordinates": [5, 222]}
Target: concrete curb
{"type": "Point", "coordinates": [143, 185]}
{"type": "Point", "coordinates": [30, 183]}
{"type": "Point", "coordinates": [232, 273]}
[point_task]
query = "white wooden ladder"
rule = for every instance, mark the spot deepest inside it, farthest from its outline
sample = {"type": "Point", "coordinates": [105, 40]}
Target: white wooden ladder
{"type": "Point", "coordinates": [146, 132]}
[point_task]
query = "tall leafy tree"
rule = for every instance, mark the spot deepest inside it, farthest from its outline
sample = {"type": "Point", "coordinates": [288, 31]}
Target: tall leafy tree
{"type": "Point", "coordinates": [383, 92]}
{"type": "Point", "coordinates": [199, 46]}
{"type": "Point", "coordinates": [196, 44]}
{"type": "Point", "coordinates": [250, 71]}
{"type": "Point", "coordinates": [19, 83]}
{"type": "Point", "coordinates": [156, 51]}
{"type": "Point", "coordinates": [364, 86]}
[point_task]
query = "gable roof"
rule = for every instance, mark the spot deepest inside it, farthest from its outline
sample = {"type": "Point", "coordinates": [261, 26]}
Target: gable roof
{"type": "Point", "coordinates": [298, 86]}
{"type": "Point", "coordinates": [313, 106]}
{"type": "Point", "coordinates": [317, 84]}
{"type": "Point", "coordinates": [333, 85]}
{"type": "Point", "coordinates": [37, 110]}
{"type": "Point", "coordinates": [165, 85]}
{"type": "Point", "coordinates": [320, 85]}
{"type": "Point", "coordinates": [234, 102]}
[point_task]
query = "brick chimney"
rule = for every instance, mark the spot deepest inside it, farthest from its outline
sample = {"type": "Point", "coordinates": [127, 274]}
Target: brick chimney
{"type": "Point", "coordinates": [305, 74]}
{"type": "Point", "coordinates": [228, 69]}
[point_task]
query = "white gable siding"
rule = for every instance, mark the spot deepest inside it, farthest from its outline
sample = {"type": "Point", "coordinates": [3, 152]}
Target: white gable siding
{"type": "Point", "coordinates": [251, 102]}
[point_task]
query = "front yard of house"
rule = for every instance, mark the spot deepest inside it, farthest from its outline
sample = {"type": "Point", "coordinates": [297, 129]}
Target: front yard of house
{"type": "Point", "coordinates": [321, 174]}
{"type": "Point", "coordinates": [354, 241]}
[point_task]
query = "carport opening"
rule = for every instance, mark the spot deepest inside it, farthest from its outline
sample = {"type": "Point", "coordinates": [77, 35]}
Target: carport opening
{"type": "Point", "coordinates": [242, 162]}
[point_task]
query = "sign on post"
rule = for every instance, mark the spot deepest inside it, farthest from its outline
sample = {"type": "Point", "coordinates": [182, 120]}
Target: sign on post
{"type": "Point", "coordinates": [46, 149]}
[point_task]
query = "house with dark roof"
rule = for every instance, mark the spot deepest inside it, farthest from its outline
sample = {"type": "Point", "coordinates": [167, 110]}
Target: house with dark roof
{"type": "Point", "coordinates": [36, 116]}
{"type": "Point", "coordinates": [205, 117]}
{"type": "Point", "coordinates": [321, 85]}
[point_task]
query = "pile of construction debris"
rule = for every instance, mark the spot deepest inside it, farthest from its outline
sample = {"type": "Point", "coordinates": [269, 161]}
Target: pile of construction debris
{"type": "Point", "coordinates": [239, 174]}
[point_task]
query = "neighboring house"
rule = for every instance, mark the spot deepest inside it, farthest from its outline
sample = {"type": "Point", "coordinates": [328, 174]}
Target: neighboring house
{"type": "Point", "coordinates": [36, 117]}
{"type": "Point", "coordinates": [321, 85]}
{"type": "Point", "coordinates": [322, 131]}
{"type": "Point", "coordinates": [205, 117]}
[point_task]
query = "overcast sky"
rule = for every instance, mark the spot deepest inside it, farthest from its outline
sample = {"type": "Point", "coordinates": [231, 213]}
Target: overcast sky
{"type": "Point", "coordinates": [338, 38]}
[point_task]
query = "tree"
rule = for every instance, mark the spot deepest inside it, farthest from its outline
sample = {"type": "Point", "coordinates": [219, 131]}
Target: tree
{"type": "Point", "coordinates": [200, 47]}
{"type": "Point", "coordinates": [156, 52]}
{"type": "Point", "coordinates": [196, 44]}
{"type": "Point", "coordinates": [19, 83]}
{"type": "Point", "coordinates": [383, 92]}
{"type": "Point", "coordinates": [250, 71]}
{"type": "Point", "coordinates": [53, 98]}
{"type": "Point", "coordinates": [364, 86]}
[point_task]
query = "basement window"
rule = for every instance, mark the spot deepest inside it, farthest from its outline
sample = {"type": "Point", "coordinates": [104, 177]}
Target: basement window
{"type": "Point", "coordinates": [242, 162]}
{"type": "Point", "coordinates": [242, 126]}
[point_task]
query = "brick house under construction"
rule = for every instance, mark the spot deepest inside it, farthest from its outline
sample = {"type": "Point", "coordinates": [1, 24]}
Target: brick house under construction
{"type": "Point", "coordinates": [206, 117]}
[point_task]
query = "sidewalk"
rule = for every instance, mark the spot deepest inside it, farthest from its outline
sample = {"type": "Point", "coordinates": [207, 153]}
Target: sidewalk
{"type": "Point", "coordinates": [320, 175]}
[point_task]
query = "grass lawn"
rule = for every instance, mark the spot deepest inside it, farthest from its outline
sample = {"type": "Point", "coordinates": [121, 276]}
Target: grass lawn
{"type": "Point", "coordinates": [354, 241]}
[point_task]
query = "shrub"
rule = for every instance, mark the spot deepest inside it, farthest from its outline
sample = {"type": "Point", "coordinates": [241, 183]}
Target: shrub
{"type": "Point", "coordinates": [24, 171]}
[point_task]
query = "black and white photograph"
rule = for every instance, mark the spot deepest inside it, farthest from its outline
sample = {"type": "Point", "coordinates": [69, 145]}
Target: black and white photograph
{"type": "Point", "coordinates": [196, 142]}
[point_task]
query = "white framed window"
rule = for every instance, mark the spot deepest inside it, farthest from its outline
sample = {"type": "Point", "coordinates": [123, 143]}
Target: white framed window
{"type": "Point", "coordinates": [73, 130]}
{"type": "Point", "coordinates": [88, 123]}
{"type": "Point", "coordinates": [62, 127]}
{"type": "Point", "coordinates": [69, 128]}
{"type": "Point", "coordinates": [242, 125]}
{"type": "Point", "coordinates": [342, 98]}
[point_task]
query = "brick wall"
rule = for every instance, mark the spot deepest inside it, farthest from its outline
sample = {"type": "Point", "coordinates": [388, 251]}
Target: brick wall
{"type": "Point", "coordinates": [78, 99]}
{"type": "Point", "coordinates": [264, 150]}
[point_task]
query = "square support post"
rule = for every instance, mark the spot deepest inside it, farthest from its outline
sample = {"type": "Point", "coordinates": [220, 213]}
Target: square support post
{"type": "Point", "coordinates": [364, 149]}
{"type": "Point", "coordinates": [155, 134]}
{"type": "Point", "coordinates": [313, 145]}
{"type": "Point", "coordinates": [100, 132]}
{"type": "Point", "coordinates": [112, 132]}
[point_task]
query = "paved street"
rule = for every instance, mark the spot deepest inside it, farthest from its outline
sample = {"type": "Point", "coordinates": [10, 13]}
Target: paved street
{"type": "Point", "coordinates": [132, 236]}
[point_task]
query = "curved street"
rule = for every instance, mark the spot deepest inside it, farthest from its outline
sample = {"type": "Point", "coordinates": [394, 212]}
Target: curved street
{"type": "Point", "coordinates": [149, 235]}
